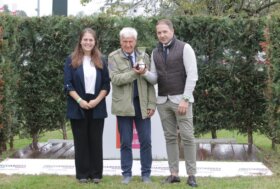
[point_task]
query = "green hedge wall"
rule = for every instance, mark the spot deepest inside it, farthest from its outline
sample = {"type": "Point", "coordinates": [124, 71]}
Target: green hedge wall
{"type": "Point", "coordinates": [232, 91]}
{"type": "Point", "coordinates": [273, 92]}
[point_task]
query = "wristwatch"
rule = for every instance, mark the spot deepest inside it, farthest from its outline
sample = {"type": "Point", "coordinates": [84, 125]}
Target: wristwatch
{"type": "Point", "coordinates": [186, 98]}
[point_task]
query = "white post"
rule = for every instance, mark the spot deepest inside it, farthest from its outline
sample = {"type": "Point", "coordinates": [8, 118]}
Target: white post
{"type": "Point", "coordinates": [38, 8]}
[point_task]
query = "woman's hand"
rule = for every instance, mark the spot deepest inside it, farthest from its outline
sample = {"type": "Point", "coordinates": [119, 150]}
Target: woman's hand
{"type": "Point", "coordinates": [93, 103]}
{"type": "Point", "coordinates": [84, 104]}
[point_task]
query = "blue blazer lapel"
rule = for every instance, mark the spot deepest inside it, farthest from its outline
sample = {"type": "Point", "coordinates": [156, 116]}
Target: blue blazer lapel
{"type": "Point", "coordinates": [80, 71]}
{"type": "Point", "coordinates": [98, 81]}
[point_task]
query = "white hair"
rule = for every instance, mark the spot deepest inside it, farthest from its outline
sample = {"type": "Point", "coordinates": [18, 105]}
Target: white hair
{"type": "Point", "coordinates": [128, 32]}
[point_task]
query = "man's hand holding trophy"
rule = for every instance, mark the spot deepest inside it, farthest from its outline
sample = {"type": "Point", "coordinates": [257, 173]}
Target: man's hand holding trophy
{"type": "Point", "coordinates": [140, 65]}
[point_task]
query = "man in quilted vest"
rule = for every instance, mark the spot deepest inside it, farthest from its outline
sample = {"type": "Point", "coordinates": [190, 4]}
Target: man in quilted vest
{"type": "Point", "coordinates": [174, 69]}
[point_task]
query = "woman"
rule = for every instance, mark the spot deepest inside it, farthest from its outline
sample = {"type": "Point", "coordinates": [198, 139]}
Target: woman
{"type": "Point", "coordinates": [86, 82]}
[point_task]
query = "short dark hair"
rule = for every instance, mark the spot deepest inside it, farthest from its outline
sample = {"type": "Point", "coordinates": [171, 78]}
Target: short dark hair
{"type": "Point", "coordinates": [166, 22]}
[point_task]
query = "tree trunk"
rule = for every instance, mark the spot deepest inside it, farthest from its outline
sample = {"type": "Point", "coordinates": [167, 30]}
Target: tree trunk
{"type": "Point", "coordinates": [64, 131]}
{"type": "Point", "coordinates": [273, 145]}
{"type": "Point", "coordinates": [4, 146]}
{"type": "Point", "coordinates": [1, 148]}
{"type": "Point", "coordinates": [250, 140]}
{"type": "Point", "coordinates": [35, 142]}
{"type": "Point", "coordinates": [214, 133]}
{"type": "Point", "coordinates": [11, 143]}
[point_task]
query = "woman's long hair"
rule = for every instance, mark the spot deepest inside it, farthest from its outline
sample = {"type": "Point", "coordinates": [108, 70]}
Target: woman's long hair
{"type": "Point", "coordinates": [78, 53]}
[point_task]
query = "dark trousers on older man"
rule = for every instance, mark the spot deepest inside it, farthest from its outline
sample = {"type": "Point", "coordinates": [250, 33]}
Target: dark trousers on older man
{"type": "Point", "coordinates": [143, 127]}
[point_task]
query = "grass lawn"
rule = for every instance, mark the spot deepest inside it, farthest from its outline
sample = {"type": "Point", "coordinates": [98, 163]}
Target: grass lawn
{"type": "Point", "coordinates": [270, 158]}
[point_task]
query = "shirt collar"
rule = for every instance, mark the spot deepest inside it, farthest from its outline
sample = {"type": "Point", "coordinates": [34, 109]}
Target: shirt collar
{"type": "Point", "coordinates": [132, 54]}
{"type": "Point", "coordinates": [166, 45]}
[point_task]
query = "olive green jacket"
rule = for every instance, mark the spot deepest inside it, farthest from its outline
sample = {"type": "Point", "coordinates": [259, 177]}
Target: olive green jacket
{"type": "Point", "coordinates": [122, 77]}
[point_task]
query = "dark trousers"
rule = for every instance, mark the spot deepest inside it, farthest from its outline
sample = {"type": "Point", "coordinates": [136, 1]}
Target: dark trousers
{"type": "Point", "coordinates": [143, 127]}
{"type": "Point", "coordinates": [88, 134]}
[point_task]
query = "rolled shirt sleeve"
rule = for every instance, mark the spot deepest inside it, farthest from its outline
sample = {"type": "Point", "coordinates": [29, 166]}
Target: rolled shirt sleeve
{"type": "Point", "coordinates": [68, 86]}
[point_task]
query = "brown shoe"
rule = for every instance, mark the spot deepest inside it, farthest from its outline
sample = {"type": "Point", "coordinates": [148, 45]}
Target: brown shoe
{"type": "Point", "coordinates": [171, 179]}
{"type": "Point", "coordinates": [192, 181]}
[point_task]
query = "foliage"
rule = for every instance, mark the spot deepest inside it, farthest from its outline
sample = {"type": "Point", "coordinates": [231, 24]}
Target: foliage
{"type": "Point", "coordinates": [229, 94]}
{"type": "Point", "coordinates": [273, 93]}
{"type": "Point", "coordinates": [230, 85]}
{"type": "Point", "coordinates": [249, 78]}
{"type": "Point", "coordinates": [42, 102]}
{"type": "Point", "coordinates": [6, 10]}
{"type": "Point", "coordinates": [169, 8]}
{"type": "Point", "coordinates": [9, 84]}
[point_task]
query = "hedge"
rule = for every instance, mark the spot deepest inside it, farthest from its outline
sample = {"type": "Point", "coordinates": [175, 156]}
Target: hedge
{"type": "Point", "coordinates": [236, 89]}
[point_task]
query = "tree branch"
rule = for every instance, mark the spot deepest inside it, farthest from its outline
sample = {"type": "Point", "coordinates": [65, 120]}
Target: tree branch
{"type": "Point", "coordinates": [267, 6]}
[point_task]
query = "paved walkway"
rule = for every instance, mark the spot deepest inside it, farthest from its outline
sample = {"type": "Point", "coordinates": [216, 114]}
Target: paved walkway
{"type": "Point", "coordinates": [112, 167]}
{"type": "Point", "coordinates": [215, 158]}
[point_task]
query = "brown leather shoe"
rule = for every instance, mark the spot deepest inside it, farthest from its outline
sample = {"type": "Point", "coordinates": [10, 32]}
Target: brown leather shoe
{"type": "Point", "coordinates": [171, 179]}
{"type": "Point", "coordinates": [192, 181]}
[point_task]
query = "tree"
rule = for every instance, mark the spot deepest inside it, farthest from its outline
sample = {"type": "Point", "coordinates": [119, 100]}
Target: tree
{"type": "Point", "coordinates": [80, 14]}
{"type": "Point", "coordinates": [21, 13]}
{"type": "Point", "coordinates": [17, 12]}
{"type": "Point", "coordinates": [199, 7]}
{"type": "Point", "coordinates": [6, 9]}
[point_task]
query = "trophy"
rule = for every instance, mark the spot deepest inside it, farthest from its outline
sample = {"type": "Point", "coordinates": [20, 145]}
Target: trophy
{"type": "Point", "coordinates": [140, 63]}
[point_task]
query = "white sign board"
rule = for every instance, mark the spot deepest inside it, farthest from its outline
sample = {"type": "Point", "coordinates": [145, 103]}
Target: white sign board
{"type": "Point", "coordinates": [110, 149]}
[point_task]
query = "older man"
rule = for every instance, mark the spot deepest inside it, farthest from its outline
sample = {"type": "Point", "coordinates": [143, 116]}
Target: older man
{"type": "Point", "coordinates": [133, 101]}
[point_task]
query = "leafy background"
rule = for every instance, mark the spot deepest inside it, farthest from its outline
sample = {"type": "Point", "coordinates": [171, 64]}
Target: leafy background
{"type": "Point", "coordinates": [237, 89]}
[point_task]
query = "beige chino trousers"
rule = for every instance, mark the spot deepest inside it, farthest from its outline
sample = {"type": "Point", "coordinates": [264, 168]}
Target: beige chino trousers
{"type": "Point", "coordinates": [171, 121]}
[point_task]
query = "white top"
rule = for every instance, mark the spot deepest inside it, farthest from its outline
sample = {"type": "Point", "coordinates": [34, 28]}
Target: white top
{"type": "Point", "coordinates": [89, 75]}
{"type": "Point", "coordinates": [192, 76]}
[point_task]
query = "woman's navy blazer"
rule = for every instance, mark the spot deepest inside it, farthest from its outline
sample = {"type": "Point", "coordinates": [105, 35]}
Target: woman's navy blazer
{"type": "Point", "coordinates": [74, 80]}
